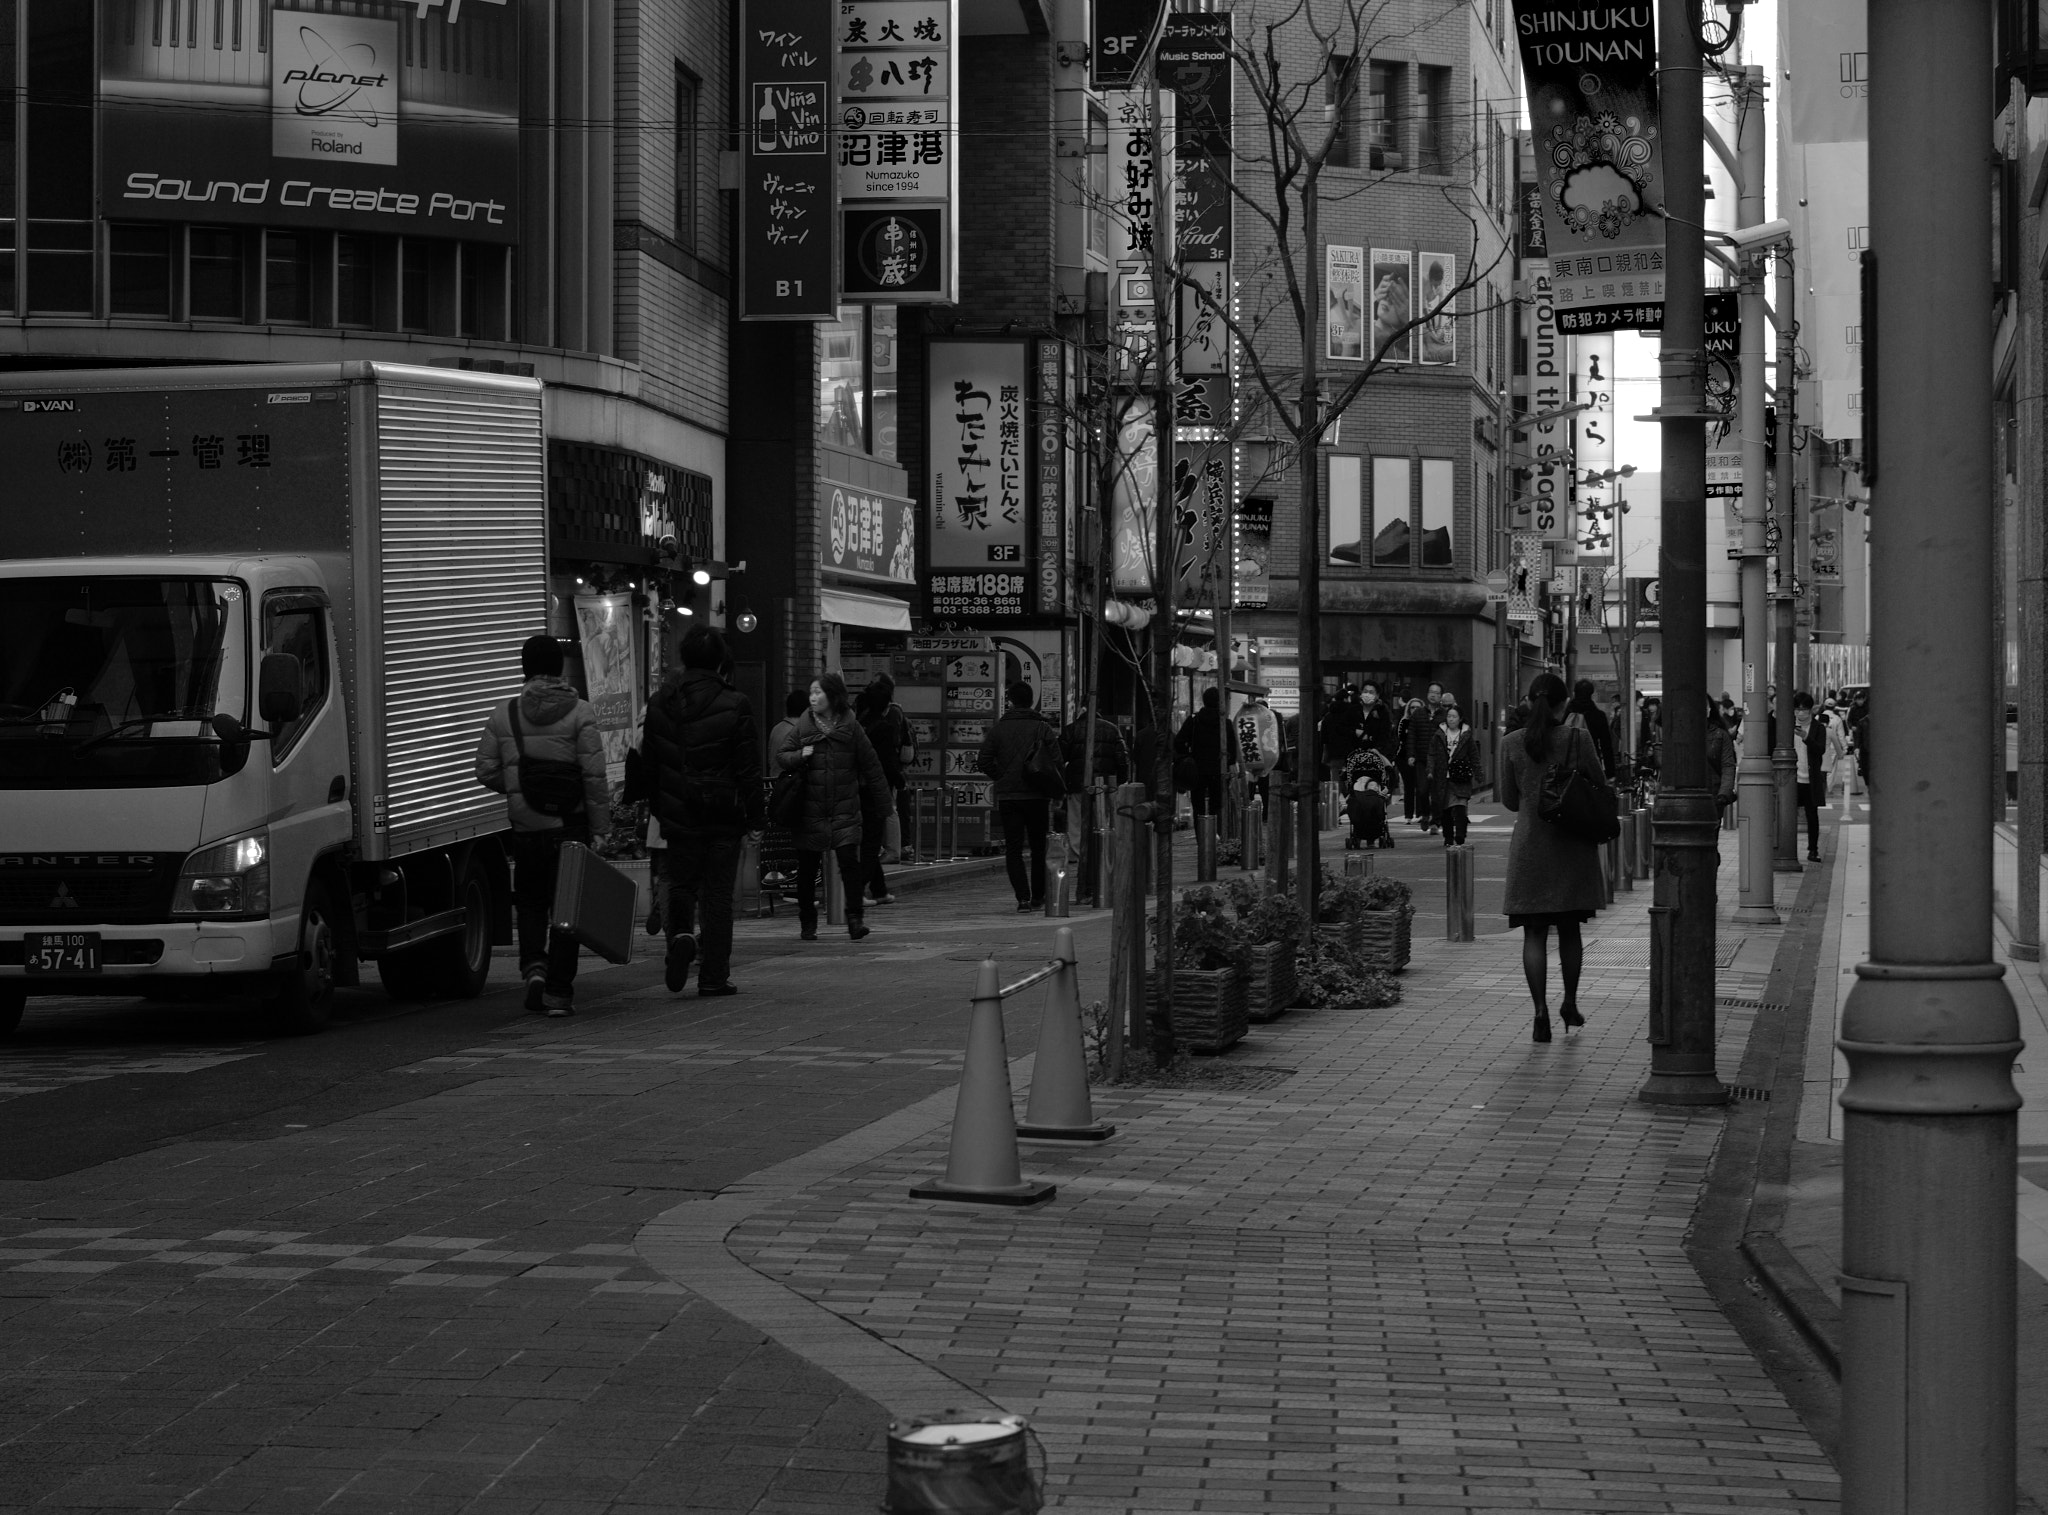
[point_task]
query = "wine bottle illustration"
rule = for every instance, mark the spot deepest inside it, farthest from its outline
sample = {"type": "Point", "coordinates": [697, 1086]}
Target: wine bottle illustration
{"type": "Point", "coordinates": [764, 126]}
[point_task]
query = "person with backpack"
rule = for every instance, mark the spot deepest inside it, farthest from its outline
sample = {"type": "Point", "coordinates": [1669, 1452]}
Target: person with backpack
{"type": "Point", "coordinates": [1112, 756]}
{"type": "Point", "coordinates": [701, 754]}
{"type": "Point", "coordinates": [836, 793]}
{"type": "Point", "coordinates": [542, 751]}
{"type": "Point", "coordinates": [888, 730]}
{"type": "Point", "coordinates": [1200, 742]}
{"type": "Point", "coordinates": [1021, 753]}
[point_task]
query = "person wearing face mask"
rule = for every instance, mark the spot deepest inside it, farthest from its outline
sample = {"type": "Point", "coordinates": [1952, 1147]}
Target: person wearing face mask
{"type": "Point", "coordinates": [1376, 725]}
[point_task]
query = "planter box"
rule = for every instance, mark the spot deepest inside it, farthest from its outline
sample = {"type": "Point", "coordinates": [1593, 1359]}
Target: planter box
{"type": "Point", "coordinates": [1270, 984]}
{"type": "Point", "coordinates": [1344, 934]}
{"type": "Point", "coordinates": [1208, 1007]}
{"type": "Point", "coordinates": [1384, 936]}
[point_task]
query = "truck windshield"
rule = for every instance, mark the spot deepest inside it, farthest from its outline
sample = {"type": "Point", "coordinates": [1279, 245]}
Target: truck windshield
{"type": "Point", "coordinates": [110, 681]}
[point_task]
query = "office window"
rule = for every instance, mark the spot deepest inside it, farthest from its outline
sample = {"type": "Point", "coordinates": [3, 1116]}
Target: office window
{"type": "Point", "coordinates": [687, 93]}
{"type": "Point", "coordinates": [1340, 93]}
{"type": "Point", "coordinates": [882, 382]}
{"type": "Point", "coordinates": [1392, 536]}
{"type": "Point", "coordinates": [1386, 108]}
{"type": "Point", "coordinates": [287, 277]}
{"type": "Point", "coordinates": [355, 296]}
{"type": "Point", "coordinates": [139, 270]}
{"type": "Point", "coordinates": [1366, 99]}
{"type": "Point", "coordinates": [1347, 545]}
{"type": "Point", "coordinates": [1433, 126]}
{"type": "Point", "coordinates": [412, 285]}
{"type": "Point", "coordinates": [1438, 482]}
{"type": "Point", "coordinates": [214, 269]}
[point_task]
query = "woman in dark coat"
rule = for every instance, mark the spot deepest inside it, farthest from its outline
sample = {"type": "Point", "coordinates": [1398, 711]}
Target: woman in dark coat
{"type": "Point", "coordinates": [1554, 879]}
{"type": "Point", "coordinates": [844, 793]}
{"type": "Point", "coordinates": [1453, 770]}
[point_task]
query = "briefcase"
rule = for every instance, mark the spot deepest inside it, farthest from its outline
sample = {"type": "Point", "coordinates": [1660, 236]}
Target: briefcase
{"type": "Point", "coordinates": [595, 903]}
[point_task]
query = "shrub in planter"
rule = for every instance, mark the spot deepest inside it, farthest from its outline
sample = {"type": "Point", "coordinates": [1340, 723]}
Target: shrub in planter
{"type": "Point", "coordinates": [1273, 929]}
{"type": "Point", "coordinates": [1208, 979]}
{"type": "Point", "coordinates": [1333, 976]}
{"type": "Point", "coordinates": [1385, 917]}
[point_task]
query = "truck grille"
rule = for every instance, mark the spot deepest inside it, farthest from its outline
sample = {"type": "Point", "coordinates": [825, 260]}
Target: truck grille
{"type": "Point", "coordinates": [60, 889]}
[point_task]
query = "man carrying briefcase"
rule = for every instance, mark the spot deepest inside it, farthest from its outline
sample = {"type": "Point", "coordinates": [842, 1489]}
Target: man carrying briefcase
{"type": "Point", "coordinates": [543, 753]}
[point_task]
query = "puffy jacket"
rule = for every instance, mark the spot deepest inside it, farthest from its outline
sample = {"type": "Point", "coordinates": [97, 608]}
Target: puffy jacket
{"type": "Point", "coordinates": [1418, 728]}
{"type": "Point", "coordinates": [701, 748]}
{"type": "Point", "coordinates": [1200, 738]}
{"type": "Point", "coordinates": [843, 783]}
{"type": "Point", "coordinates": [557, 724]}
{"type": "Point", "coordinates": [1004, 749]}
{"type": "Point", "coordinates": [1112, 759]}
{"type": "Point", "coordinates": [887, 730]}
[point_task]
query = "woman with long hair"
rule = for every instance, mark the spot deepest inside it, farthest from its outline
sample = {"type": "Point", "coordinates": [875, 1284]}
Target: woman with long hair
{"type": "Point", "coordinates": [1554, 878]}
{"type": "Point", "coordinates": [1453, 770]}
{"type": "Point", "coordinates": [844, 794]}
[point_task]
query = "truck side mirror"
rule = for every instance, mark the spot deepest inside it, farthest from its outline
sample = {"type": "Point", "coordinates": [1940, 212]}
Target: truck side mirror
{"type": "Point", "coordinates": [280, 688]}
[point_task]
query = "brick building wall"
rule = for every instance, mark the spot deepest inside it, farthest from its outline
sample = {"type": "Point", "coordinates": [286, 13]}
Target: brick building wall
{"type": "Point", "coordinates": [1006, 182]}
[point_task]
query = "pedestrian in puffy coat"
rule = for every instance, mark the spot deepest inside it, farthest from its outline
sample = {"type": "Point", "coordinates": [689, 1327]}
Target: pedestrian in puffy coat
{"type": "Point", "coordinates": [557, 727]}
{"type": "Point", "coordinates": [845, 792]}
{"type": "Point", "coordinates": [888, 731]}
{"type": "Point", "coordinates": [1453, 771]}
{"type": "Point", "coordinates": [701, 751]}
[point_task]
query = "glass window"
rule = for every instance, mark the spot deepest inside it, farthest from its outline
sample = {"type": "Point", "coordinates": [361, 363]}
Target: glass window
{"type": "Point", "coordinates": [882, 381]}
{"type": "Point", "coordinates": [842, 381]}
{"type": "Point", "coordinates": [1346, 536]}
{"type": "Point", "coordinates": [287, 277]}
{"type": "Point", "coordinates": [60, 112]}
{"type": "Point", "coordinates": [1433, 131]}
{"type": "Point", "coordinates": [1340, 94]}
{"type": "Point", "coordinates": [412, 285]}
{"type": "Point", "coordinates": [139, 270]}
{"type": "Point", "coordinates": [1384, 110]}
{"type": "Point", "coordinates": [687, 92]}
{"type": "Point", "coordinates": [1438, 479]}
{"type": "Point", "coordinates": [60, 267]}
{"type": "Point", "coordinates": [355, 282]}
{"type": "Point", "coordinates": [1391, 532]}
{"type": "Point", "coordinates": [215, 273]}
{"type": "Point", "coordinates": [299, 631]}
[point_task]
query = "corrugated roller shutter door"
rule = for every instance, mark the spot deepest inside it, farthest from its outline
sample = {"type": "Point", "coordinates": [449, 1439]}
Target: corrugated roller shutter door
{"type": "Point", "coordinates": [463, 521]}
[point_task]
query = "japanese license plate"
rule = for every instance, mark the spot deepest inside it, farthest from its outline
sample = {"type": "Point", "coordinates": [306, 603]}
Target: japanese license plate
{"type": "Point", "coordinates": [61, 951]}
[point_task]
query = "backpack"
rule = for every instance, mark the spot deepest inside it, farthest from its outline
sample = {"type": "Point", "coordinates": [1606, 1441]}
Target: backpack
{"type": "Point", "coordinates": [1042, 767]}
{"type": "Point", "coordinates": [550, 786]}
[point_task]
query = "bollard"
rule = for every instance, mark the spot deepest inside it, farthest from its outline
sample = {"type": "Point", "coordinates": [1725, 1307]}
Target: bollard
{"type": "Point", "coordinates": [1610, 867]}
{"type": "Point", "coordinates": [1127, 923]}
{"type": "Point", "coordinates": [1056, 891]}
{"type": "Point", "coordinates": [981, 1164]}
{"type": "Point", "coordinates": [1646, 845]}
{"type": "Point", "coordinates": [835, 890]}
{"type": "Point", "coordinates": [1332, 806]}
{"type": "Point", "coordinates": [1626, 842]}
{"type": "Point", "coordinates": [1458, 893]}
{"type": "Point", "coordinates": [1205, 849]}
{"type": "Point", "coordinates": [1058, 1108]}
{"type": "Point", "coordinates": [1280, 843]}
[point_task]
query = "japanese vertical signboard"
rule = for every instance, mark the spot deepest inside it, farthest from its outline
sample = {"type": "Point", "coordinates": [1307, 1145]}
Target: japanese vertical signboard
{"type": "Point", "coordinates": [1201, 526]}
{"type": "Point", "coordinates": [978, 525]}
{"type": "Point", "coordinates": [786, 244]}
{"type": "Point", "coordinates": [896, 84]}
{"type": "Point", "coordinates": [1593, 378]}
{"type": "Point", "coordinates": [1140, 187]}
{"type": "Point", "coordinates": [1195, 65]}
{"type": "Point", "coordinates": [1049, 463]}
{"type": "Point", "coordinates": [1599, 159]}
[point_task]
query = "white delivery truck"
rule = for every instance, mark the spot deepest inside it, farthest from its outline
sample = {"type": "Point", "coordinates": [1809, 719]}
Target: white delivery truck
{"type": "Point", "coordinates": [251, 623]}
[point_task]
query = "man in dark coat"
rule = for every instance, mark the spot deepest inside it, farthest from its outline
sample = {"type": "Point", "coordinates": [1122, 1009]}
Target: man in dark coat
{"type": "Point", "coordinates": [702, 753]}
{"type": "Point", "coordinates": [1005, 753]}
{"type": "Point", "coordinates": [1112, 759]}
{"type": "Point", "coordinates": [1585, 713]}
{"type": "Point", "coordinates": [1200, 740]}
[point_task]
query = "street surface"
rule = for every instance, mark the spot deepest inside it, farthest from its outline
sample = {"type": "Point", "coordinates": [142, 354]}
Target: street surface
{"type": "Point", "coordinates": [661, 1256]}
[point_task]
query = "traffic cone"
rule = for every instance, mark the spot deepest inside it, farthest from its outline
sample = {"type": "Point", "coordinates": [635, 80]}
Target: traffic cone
{"type": "Point", "coordinates": [1059, 1109]}
{"type": "Point", "coordinates": [982, 1165]}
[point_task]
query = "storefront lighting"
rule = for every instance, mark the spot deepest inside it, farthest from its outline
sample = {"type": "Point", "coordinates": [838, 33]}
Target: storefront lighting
{"type": "Point", "coordinates": [747, 621]}
{"type": "Point", "coordinates": [700, 576]}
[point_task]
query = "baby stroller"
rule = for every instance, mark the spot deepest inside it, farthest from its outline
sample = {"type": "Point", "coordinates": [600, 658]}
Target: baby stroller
{"type": "Point", "coordinates": [1369, 780]}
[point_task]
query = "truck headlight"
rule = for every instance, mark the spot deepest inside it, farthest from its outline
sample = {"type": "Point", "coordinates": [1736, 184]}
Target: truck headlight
{"type": "Point", "coordinates": [228, 878]}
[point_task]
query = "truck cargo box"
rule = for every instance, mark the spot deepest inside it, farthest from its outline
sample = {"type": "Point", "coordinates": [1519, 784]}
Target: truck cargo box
{"type": "Point", "coordinates": [420, 492]}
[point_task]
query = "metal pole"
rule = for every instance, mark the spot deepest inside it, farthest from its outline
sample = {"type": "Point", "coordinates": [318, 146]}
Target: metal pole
{"type": "Point", "coordinates": [1784, 763]}
{"type": "Point", "coordinates": [1166, 558]}
{"type": "Point", "coordinates": [1503, 647]}
{"type": "Point", "coordinates": [1755, 792]}
{"type": "Point", "coordinates": [1930, 1113]}
{"type": "Point", "coordinates": [1682, 918]}
{"type": "Point", "coordinates": [2025, 945]}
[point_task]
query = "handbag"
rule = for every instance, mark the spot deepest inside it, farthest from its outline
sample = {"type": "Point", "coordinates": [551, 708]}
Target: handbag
{"type": "Point", "coordinates": [1577, 803]}
{"type": "Point", "coordinates": [786, 799]}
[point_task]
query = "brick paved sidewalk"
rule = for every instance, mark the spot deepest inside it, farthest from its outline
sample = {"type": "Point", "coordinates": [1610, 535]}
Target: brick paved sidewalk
{"type": "Point", "coordinates": [1432, 1267]}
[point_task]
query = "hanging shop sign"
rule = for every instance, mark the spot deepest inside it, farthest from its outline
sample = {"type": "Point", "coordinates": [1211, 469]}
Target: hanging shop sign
{"type": "Point", "coordinates": [1195, 67]}
{"type": "Point", "coordinates": [1646, 603]}
{"type": "Point", "coordinates": [1599, 159]}
{"type": "Point", "coordinates": [1141, 182]}
{"type": "Point", "coordinates": [1543, 507]}
{"type": "Point", "coordinates": [1049, 464]}
{"type": "Point", "coordinates": [1344, 291]}
{"type": "Point", "coordinates": [1437, 307]}
{"type": "Point", "coordinates": [1392, 339]}
{"type": "Point", "coordinates": [1116, 40]}
{"type": "Point", "coordinates": [1254, 558]}
{"type": "Point", "coordinates": [1723, 324]}
{"type": "Point", "coordinates": [263, 115]}
{"type": "Point", "coordinates": [1593, 514]}
{"type": "Point", "coordinates": [1526, 569]}
{"type": "Point", "coordinates": [977, 520]}
{"type": "Point", "coordinates": [895, 87]}
{"type": "Point", "coordinates": [1201, 526]}
{"type": "Point", "coordinates": [866, 534]}
{"type": "Point", "coordinates": [787, 258]}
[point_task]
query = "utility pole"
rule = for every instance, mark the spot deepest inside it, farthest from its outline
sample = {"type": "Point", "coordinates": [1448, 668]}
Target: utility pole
{"type": "Point", "coordinates": [1166, 556]}
{"type": "Point", "coordinates": [1930, 1115]}
{"type": "Point", "coordinates": [1682, 912]}
{"type": "Point", "coordinates": [1784, 763]}
{"type": "Point", "coordinates": [1756, 799]}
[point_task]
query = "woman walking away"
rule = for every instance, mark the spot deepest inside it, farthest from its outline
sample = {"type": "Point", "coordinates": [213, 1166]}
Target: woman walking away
{"type": "Point", "coordinates": [1809, 749]}
{"type": "Point", "coordinates": [844, 793]}
{"type": "Point", "coordinates": [1453, 770]}
{"type": "Point", "coordinates": [1553, 877]}
{"type": "Point", "coordinates": [883, 722]}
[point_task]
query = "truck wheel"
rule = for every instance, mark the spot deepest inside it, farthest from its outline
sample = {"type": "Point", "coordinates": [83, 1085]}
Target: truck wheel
{"type": "Point", "coordinates": [13, 1002]}
{"type": "Point", "coordinates": [454, 966]}
{"type": "Point", "coordinates": [305, 1001]}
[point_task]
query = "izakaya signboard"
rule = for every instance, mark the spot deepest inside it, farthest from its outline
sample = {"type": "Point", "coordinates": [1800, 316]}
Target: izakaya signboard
{"type": "Point", "coordinates": [867, 534]}
{"type": "Point", "coordinates": [979, 505]}
{"type": "Point", "coordinates": [895, 81]}
{"type": "Point", "coordinates": [786, 251]}
{"type": "Point", "coordinates": [1140, 184]}
{"type": "Point", "coordinates": [283, 114]}
{"type": "Point", "coordinates": [1599, 159]}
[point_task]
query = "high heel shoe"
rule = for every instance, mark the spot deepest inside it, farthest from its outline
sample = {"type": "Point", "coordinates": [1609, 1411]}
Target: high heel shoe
{"type": "Point", "coordinates": [1571, 1017]}
{"type": "Point", "coordinates": [1542, 1031]}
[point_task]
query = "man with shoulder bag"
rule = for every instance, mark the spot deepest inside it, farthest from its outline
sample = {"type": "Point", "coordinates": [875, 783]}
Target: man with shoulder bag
{"type": "Point", "coordinates": [702, 755]}
{"type": "Point", "coordinates": [543, 752]}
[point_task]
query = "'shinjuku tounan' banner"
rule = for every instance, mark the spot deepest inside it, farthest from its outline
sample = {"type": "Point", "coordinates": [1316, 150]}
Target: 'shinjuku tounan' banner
{"type": "Point", "coordinates": [1599, 159]}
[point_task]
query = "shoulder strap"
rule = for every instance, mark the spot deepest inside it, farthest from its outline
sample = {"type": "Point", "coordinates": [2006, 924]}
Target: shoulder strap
{"type": "Point", "coordinates": [518, 736]}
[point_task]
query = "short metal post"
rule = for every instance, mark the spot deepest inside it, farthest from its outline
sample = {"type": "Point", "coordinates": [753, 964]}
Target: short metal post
{"type": "Point", "coordinates": [1646, 845]}
{"type": "Point", "coordinates": [1458, 891]}
{"type": "Point", "coordinates": [1610, 866]}
{"type": "Point", "coordinates": [1280, 835]}
{"type": "Point", "coordinates": [835, 890]}
{"type": "Point", "coordinates": [1625, 845]}
{"type": "Point", "coordinates": [1205, 849]}
{"type": "Point", "coordinates": [1254, 836]}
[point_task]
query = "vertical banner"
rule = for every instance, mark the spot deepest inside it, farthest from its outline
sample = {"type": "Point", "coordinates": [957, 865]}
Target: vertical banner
{"type": "Point", "coordinates": [1393, 288]}
{"type": "Point", "coordinates": [1548, 446]}
{"type": "Point", "coordinates": [1201, 520]}
{"type": "Point", "coordinates": [604, 626]}
{"type": "Point", "coordinates": [1593, 379]}
{"type": "Point", "coordinates": [1134, 499]}
{"type": "Point", "coordinates": [1344, 291]}
{"type": "Point", "coordinates": [1254, 567]}
{"type": "Point", "coordinates": [1724, 384]}
{"type": "Point", "coordinates": [1599, 160]}
{"type": "Point", "coordinates": [1438, 308]}
{"type": "Point", "coordinates": [1526, 569]}
{"type": "Point", "coordinates": [1049, 469]}
{"type": "Point", "coordinates": [895, 67]}
{"type": "Point", "coordinates": [977, 525]}
{"type": "Point", "coordinates": [786, 245]}
{"type": "Point", "coordinates": [1141, 183]}
{"type": "Point", "coordinates": [1195, 65]}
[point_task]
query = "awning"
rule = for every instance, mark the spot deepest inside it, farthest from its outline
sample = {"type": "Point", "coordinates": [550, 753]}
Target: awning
{"type": "Point", "coordinates": [842, 607]}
